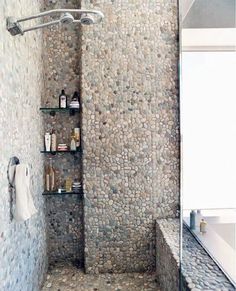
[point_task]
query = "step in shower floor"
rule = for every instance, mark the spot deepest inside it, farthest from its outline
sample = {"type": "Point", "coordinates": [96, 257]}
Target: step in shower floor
{"type": "Point", "coordinates": [65, 277]}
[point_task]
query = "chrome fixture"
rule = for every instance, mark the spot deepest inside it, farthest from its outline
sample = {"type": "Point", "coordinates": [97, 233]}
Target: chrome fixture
{"type": "Point", "coordinates": [66, 18]}
{"type": "Point", "coordinates": [87, 17]}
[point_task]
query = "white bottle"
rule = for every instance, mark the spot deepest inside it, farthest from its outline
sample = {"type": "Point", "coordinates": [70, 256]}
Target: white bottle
{"type": "Point", "coordinates": [53, 141]}
{"type": "Point", "coordinates": [47, 142]}
{"type": "Point", "coordinates": [73, 145]}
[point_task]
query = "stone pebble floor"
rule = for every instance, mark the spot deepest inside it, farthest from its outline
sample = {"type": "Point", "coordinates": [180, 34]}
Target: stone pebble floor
{"type": "Point", "coordinates": [66, 277]}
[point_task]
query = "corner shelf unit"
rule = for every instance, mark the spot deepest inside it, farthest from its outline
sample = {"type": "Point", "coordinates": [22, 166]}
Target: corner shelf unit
{"type": "Point", "coordinates": [52, 111]}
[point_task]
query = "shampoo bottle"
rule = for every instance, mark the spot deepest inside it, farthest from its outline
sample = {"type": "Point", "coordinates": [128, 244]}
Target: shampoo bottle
{"type": "Point", "coordinates": [54, 141]}
{"type": "Point", "coordinates": [51, 176]}
{"type": "Point", "coordinates": [77, 137]}
{"type": "Point", "coordinates": [192, 219]}
{"type": "Point", "coordinates": [198, 218]}
{"type": "Point", "coordinates": [203, 226]}
{"type": "Point", "coordinates": [47, 142]}
{"type": "Point", "coordinates": [47, 179]}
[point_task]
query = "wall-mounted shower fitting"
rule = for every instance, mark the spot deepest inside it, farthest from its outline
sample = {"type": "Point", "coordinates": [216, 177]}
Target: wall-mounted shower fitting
{"type": "Point", "coordinates": [87, 17]}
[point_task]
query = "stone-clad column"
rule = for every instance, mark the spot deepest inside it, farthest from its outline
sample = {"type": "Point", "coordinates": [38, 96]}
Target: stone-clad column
{"type": "Point", "coordinates": [130, 131]}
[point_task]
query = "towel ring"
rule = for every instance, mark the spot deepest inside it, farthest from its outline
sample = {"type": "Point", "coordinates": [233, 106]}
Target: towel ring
{"type": "Point", "coordinates": [11, 169]}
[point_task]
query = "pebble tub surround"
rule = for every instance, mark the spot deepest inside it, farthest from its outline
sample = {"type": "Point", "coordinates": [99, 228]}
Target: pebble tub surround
{"type": "Point", "coordinates": [198, 270]}
{"type": "Point", "coordinates": [62, 57]}
{"type": "Point", "coordinates": [23, 258]}
{"type": "Point", "coordinates": [130, 131]}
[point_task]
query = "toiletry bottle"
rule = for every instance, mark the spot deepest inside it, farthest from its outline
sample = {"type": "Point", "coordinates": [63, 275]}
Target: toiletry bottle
{"type": "Point", "coordinates": [51, 176]}
{"type": "Point", "coordinates": [193, 219]}
{"type": "Point", "coordinates": [54, 141]}
{"type": "Point", "coordinates": [75, 101]}
{"type": "Point", "coordinates": [62, 99]}
{"type": "Point", "coordinates": [75, 97]}
{"type": "Point", "coordinates": [72, 144]}
{"type": "Point", "coordinates": [198, 218]}
{"type": "Point", "coordinates": [68, 184]}
{"type": "Point", "coordinates": [203, 226]}
{"type": "Point", "coordinates": [77, 137]}
{"type": "Point", "coordinates": [47, 142]}
{"type": "Point", "coordinates": [47, 179]}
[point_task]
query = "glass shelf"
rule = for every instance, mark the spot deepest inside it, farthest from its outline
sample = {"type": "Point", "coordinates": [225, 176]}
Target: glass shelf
{"type": "Point", "coordinates": [45, 193]}
{"type": "Point", "coordinates": [59, 152]}
{"type": "Point", "coordinates": [53, 111]}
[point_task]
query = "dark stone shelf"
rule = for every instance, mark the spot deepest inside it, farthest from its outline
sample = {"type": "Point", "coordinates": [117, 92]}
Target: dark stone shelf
{"type": "Point", "coordinates": [53, 111]}
{"type": "Point", "coordinates": [59, 152]}
{"type": "Point", "coordinates": [80, 193]}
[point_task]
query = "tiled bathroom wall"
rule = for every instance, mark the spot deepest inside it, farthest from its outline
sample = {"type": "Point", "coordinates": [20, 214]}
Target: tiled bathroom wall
{"type": "Point", "coordinates": [130, 131]}
{"type": "Point", "coordinates": [22, 244]}
{"type": "Point", "coordinates": [61, 58]}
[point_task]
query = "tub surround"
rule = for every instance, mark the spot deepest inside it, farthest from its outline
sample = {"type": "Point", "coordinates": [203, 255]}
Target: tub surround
{"type": "Point", "coordinates": [198, 270]}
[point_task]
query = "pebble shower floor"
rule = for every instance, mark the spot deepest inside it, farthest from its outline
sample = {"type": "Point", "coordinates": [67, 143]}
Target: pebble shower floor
{"type": "Point", "coordinates": [66, 277]}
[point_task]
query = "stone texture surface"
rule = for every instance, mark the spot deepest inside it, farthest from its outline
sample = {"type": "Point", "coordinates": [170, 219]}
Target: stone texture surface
{"type": "Point", "coordinates": [65, 229]}
{"type": "Point", "coordinates": [130, 131]}
{"type": "Point", "coordinates": [62, 70]}
{"type": "Point", "coordinates": [23, 257]}
{"type": "Point", "coordinates": [168, 253]}
{"type": "Point", "coordinates": [67, 278]}
{"type": "Point", "coordinates": [198, 270]}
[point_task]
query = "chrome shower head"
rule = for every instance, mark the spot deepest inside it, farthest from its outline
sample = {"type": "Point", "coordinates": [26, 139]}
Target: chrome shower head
{"type": "Point", "coordinates": [87, 19]}
{"type": "Point", "coordinates": [66, 18]}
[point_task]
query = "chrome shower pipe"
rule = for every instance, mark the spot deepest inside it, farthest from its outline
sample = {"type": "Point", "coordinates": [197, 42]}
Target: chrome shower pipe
{"type": "Point", "coordinates": [46, 25]}
{"type": "Point", "coordinates": [56, 11]}
{"type": "Point", "coordinates": [14, 27]}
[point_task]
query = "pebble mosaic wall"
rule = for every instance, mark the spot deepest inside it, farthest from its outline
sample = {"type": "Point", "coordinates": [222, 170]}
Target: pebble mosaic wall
{"type": "Point", "coordinates": [168, 254]}
{"type": "Point", "coordinates": [130, 131]}
{"type": "Point", "coordinates": [23, 258]}
{"type": "Point", "coordinates": [62, 71]}
{"type": "Point", "coordinates": [65, 229]}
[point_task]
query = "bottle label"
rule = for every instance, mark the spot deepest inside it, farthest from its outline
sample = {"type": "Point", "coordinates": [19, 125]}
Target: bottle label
{"type": "Point", "coordinates": [63, 101]}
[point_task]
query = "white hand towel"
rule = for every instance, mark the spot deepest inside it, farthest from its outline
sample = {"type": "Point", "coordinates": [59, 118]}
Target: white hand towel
{"type": "Point", "coordinates": [24, 203]}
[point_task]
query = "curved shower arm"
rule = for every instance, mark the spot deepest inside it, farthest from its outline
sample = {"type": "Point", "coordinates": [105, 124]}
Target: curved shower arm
{"type": "Point", "coordinates": [56, 11]}
{"type": "Point", "coordinates": [45, 25]}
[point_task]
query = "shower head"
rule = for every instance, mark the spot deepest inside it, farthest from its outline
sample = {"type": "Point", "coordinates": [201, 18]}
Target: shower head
{"type": "Point", "coordinates": [66, 18]}
{"type": "Point", "coordinates": [87, 17]}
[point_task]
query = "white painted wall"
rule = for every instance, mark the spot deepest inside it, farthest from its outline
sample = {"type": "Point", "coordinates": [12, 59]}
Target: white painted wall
{"type": "Point", "coordinates": [208, 124]}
